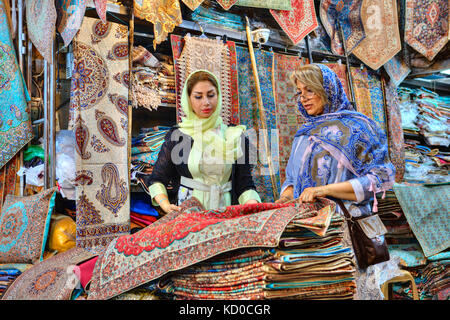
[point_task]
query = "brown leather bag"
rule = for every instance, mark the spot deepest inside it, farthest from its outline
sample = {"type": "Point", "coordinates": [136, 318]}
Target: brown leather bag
{"type": "Point", "coordinates": [368, 240]}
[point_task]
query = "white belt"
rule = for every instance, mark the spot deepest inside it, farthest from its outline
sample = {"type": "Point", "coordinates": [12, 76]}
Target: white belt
{"type": "Point", "coordinates": [215, 191]}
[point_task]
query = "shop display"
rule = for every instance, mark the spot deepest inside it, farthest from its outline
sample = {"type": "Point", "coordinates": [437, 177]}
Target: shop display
{"type": "Point", "coordinates": [89, 92]}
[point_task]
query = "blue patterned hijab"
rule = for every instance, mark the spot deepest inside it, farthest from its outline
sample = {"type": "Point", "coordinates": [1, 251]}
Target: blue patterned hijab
{"type": "Point", "coordinates": [353, 139]}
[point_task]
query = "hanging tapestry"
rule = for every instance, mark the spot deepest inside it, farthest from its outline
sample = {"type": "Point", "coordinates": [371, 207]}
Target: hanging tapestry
{"type": "Point", "coordinates": [369, 95]}
{"type": "Point", "coordinates": [100, 54]}
{"type": "Point", "coordinates": [347, 14]}
{"type": "Point", "coordinates": [70, 17]}
{"type": "Point", "coordinates": [165, 15]}
{"type": "Point", "coordinates": [427, 210]}
{"type": "Point", "coordinates": [249, 116]}
{"type": "Point", "coordinates": [196, 53]}
{"type": "Point", "coordinates": [10, 176]}
{"type": "Point", "coordinates": [185, 239]}
{"type": "Point", "coordinates": [395, 130]}
{"type": "Point", "coordinates": [268, 4]}
{"type": "Point", "coordinates": [227, 4]}
{"type": "Point", "coordinates": [382, 40]}
{"type": "Point", "coordinates": [100, 7]}
{"type": "Point", "coordinates": [397, 70]}
{"type": "Point", "coordinates": [288, 117]}
{"type": "Point", "coordinates": [193, 4]}
{"type": "Point", "coordinates": [51, 279]}
{"type": "Point", "coordinates": [41, 20]}
{"type": "Point", "coordinates": [426, 26]}
{"type": "Point", "coordinates": [15, 125]}
{"type": "Point", "coordinates": [299, 21]}
{"type": "Point", "coordinates": [341, 71]}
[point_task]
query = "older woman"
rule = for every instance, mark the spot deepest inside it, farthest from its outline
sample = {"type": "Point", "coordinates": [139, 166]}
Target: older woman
{"type": "Point", "coordinates": [337, 152]}
{"type": "Point", "coordinates": [202, 156]}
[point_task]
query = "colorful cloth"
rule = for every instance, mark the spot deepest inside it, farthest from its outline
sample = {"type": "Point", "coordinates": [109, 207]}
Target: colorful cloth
{"type": "Point", "coordinates": [394, 131]}
{"type": "Point", "coordinates": [397, 70]}
{"type": "Point", "coordinates": [184, 239]}
{"type": "Point", "coordinates": [342, 73]}
{"type": "Point", "coordinates": [71, 14]}
{"type": "Point", "coordinates": [51, 279]}
{"type": "Point", "coordinates": [410, 255]}
{"type": "Point", "coordinates": [100, 7]}
{"type": "Point", "coordinates": [165, 15]}
{"type": "Point", "coordinates": [427, 210]}
{"type": "Point", "coordinates": [269, 4]}
{"type": "Point", "coordinates": [369, 95]}
{"type": "Point", "coordinates": [288, 117]}
{"type": "Point", "coordinates": [249, 116]}
{"type": "Point", "coordinates": [426, 26]}
{"type": "Point", "coordinates": [100, 57]}
{"type": "Point", "coordinates": [193, 4]}
{"type": "Point", "coordinates": [15, 126]}
{"type": "Point", "coordinates": [336, 131]}
{"type": "Point", "coordinates": [227, 4]}
{"type": "Point", "coordinates": [382, 40]}
{"type": "Point", "coordinates": [347, 14]}
{"type": "Point", "coordinates": [41, 20]}
{"type": "Point", "coordinates": [299, 21]}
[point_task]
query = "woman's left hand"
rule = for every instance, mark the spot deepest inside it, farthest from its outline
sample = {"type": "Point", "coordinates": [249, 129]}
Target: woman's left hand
{"type": "Point", "coordinates": [251, 202]}
{"type": "Point", "coordinates": [310, 194]}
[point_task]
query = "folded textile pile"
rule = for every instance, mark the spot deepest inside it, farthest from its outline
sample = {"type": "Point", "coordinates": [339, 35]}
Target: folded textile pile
{"type": "Point", "coordinates": [311, 261]}
{"type": "Point", "coordinates": [153, 80]}
{"type": "Point", "coordinates": [142, 212]}
{"type": "Point", "coordinates": [146, 146]}
{"type": "Point", "coordinates": [7, 277]}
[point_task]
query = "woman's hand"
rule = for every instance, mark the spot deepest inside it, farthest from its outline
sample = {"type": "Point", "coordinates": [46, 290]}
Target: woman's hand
{"type": "Point", "coordinates": [168, 207]}
{"type": "Point", "coordinates": [287, 195]}
{"type": "Point", "coordinates": [310, 194]}
{"type": "Point", "coordinates": [251, 201]}
{"type": "Point", "coordinates": [284, 199]}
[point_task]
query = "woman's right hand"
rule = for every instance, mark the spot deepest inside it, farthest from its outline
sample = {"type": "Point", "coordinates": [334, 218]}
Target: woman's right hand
{"type": "Point", "coordinates": [287, 195]}
{"type": "Point", "coordinates": [283, 199]}
{"type": "Point", "coordinates": [168, 207]}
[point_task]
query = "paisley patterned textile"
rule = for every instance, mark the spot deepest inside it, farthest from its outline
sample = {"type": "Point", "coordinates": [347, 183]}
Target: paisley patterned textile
{"type": "Point", "coordinates": [101, 141]}
{"type": "Point", "coordinates": [193, 4]}
{"type": "Point", "coordinates": [15, 125]}
{"type": "Point", "coordinates": [249, 116]}
{"type": "Point", "coordinates": [100, 6]}
{"type": "Point", "coordinates": [382, 40]}
{"type": "Point", "coordinates": [347, 14]}
{"type": "Point", "coordinates": [427, 210]}
{"type": "Point", "coordinates": [426, 26]}
{"type": "Point", "coordinates": [196, 53]}
{"type": "Point", "coordinates": [288, 117]}
{"type": "Point", "coordinates": [164, 14]}
{"type": "Point", "coordinates": [268, 4]}
{"type": "Point", "coordinates": [41, 20]}
{"type": "Point", "coordinates": [184, 239]}
{"type": "Point", "coordinates": [394, 130]}
{"type": "Point", "coordinates": [397, 70]}
{"type": "Point", "coordinates": [369, 95]}
{"type": "Point", "coordinates": [342, 73]}
{"type": "Point", "coordinates": [299, 21]}
{"type": "Point", "coordinates": [51, 279]}
{"type": "Point", "coordinates": [227, 4]}
{"type": "Point", "coordinates": [70, 17]}
{"type": "Point", "coordinates": [24, 224]}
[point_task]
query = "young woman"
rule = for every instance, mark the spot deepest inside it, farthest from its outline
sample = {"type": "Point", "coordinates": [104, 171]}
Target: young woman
{"type": "Point", "coordinates": [202, 157]}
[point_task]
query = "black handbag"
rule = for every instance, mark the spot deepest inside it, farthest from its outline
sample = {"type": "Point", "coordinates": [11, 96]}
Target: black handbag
{"type": "Point", "coordinates": [368, 240]}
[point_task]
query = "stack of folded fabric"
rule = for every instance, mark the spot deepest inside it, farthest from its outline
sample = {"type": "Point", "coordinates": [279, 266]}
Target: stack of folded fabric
{"type": "Point", "coordinates": [153, 79]}
{"type": "Point", "coordinates": [435, 280]}
{"type": "Point", "coordinates": [146, 146]}
{"type": "Point", "coordinates": [311, 262]}
{"type": "Point", "coordinates": [7, 277]}
{"type": "Point", "coordinates": [141, 211]}
{"type": "Point", "coordinates": [235, 275]}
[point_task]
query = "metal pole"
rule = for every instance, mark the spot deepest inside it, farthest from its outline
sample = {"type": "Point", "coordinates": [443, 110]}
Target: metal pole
{"type": "Point", "coordinates": [308, 49]}
{"type": "Point", "coordinates": [344, 45]}
{"type": "Point", "coordinates": [46, 125]}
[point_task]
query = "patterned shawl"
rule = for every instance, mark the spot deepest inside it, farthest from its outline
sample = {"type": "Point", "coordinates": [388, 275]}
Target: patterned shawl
{"type": "Point", "coordinates": [353, 139]}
